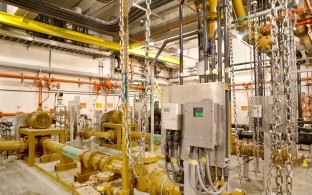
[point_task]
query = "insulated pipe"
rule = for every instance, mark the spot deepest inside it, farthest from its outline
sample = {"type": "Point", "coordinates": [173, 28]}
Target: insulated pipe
{"type": "Point", "coordinates": [13, 145]}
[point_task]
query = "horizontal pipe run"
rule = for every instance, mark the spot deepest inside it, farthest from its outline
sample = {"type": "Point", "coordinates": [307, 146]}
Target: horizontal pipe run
{"type": "Point", "coordinates": [8, 114]}
{"type": "Point", "coordinates": [58, 71]}
{"type": "Point", "coordinates": [13, 145]}
{"type": "Point", "coordinates": [106, 84]}
{"type": "Point", "coordinates": [71, 152]}
{"type": "Point", "coordinates": [258, 14]}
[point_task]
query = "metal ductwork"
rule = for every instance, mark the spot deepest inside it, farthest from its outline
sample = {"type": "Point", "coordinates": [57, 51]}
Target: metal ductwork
{"type": "Point", "coordinates": [53, 11]}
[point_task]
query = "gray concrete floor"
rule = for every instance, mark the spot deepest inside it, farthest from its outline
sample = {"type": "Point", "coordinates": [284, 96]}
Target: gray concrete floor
{"type": "Point", "coordinates": [17, 178]}
{"type": "Point", "coordinates": [302, 179]}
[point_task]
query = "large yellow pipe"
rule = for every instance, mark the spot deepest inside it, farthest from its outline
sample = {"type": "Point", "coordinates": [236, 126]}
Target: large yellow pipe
{"type": "Point", "coordinates": [239, 8]}
{"type": "Point", "coordinates": [13, 145]}
{"type": "Point", "coordinates": [27, 24]}
{"type": "Point", "coordinates": [212, 17]}
{"type": "Point", "coordinates": [107, 134]}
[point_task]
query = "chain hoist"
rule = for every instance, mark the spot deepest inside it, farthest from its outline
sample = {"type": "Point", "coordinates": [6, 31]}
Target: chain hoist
{"type": "Point", "coordinates": [230, 19]}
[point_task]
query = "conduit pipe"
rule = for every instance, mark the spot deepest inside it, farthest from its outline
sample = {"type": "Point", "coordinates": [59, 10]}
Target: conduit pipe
{"type": "Point", "coordinates": [152, 68]}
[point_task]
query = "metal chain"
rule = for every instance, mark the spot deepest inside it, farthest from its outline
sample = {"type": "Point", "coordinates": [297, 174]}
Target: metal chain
{"type": "Point", "coordinates": [124, 56]}
{"type": "Point", "coordinates": [229, 4]}
{"type": "Point", "coordinates": [275, 136]}
{"type": "Point", "coordinates": [288, 54]}
{"type": "Point", "coordinates": [257, 87]}
{"type": "Point", "coordinates": [141, 154]}
{"type": "Point", "coordinates": [124, 44]}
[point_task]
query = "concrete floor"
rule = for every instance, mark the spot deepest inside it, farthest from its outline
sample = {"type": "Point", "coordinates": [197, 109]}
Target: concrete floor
{"type": "Point", "coordinates": [302, 179]}
{"type": "Point", "coordinates": [17, 178]}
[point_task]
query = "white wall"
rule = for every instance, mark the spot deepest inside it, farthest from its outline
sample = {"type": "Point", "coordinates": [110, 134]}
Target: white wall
{"type": "Point", "coordinates": [15, 93]}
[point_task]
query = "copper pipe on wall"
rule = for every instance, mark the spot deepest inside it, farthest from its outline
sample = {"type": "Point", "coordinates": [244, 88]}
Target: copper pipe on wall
{"type": "Point", "coordinates": [106, 84]}
{"type": "Point", "coordinates": [6, 114]}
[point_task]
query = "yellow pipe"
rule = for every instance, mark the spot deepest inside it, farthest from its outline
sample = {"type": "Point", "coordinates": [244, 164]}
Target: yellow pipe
{"type": "Point", "coordinates": [212, 17]}
{"type": "Point", "coordinates": [13, 145]}
{"type": "Point", "coordinates": [27, 24]}
{"type": "Point", "coordinates": [158, 183]}
{"type": "Point", "coordinates": [125, 162]}
{"type": "Point", "coordinates": [239, 8]}
{"type": "Point", "coordinates": [107, 134]}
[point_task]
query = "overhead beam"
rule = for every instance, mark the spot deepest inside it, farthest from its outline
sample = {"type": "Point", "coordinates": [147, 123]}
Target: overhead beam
{"type": "Point", "coordinates": [27, 24]}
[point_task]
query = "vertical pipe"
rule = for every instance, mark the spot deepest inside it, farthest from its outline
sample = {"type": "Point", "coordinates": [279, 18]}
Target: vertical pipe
{"type": "Point", "coordinates": [205, 38]}
{"type": "Point", "coordinates": [255, 71]}
{"type": "Point", "coordinates": [39, 96]}
{"type": "Point", "coordinates": [181, 40]}
{"type": "Point", "coordinates": [152, 99]}
{"type": "Point", "coordinates": [227, 76]}
{"type": "Point", "coordinates": [219, 31]}
{"type": "Point", "coordinates": [50, 58]}
{"type": "Point", "coordinates": [200, 42]}
{"type": "Point", "coordinates": [299, 92]}
{"type": "Point", "coordinates": [125, 57]}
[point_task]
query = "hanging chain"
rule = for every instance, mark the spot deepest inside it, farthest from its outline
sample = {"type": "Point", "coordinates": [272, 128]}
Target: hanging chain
{"type": "Point", "coordinates": [275, 135]}
{"type": "Point", "coordinates": [229, 7]}
{"type": "Point", "coordinates": [288, 54]}
{"type": "Point", "coordinates": [124, 56]}
{"type": "Point", "coordinates": [124, 44]}
{"type": "Point", "coordinates": [141, 154]}
{"type": "Point", "coordinates": [256, 122]}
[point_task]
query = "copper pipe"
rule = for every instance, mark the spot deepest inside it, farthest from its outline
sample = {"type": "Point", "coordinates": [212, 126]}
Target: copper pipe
{"type": "Point", "coordinates": [2, 114]}
{"type": "Point", "coordinates": [107, 84]}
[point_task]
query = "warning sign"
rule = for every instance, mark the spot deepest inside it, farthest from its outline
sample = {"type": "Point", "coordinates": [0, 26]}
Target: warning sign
{"type": "Point", "coordinates": [98, 106]}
